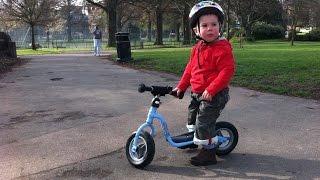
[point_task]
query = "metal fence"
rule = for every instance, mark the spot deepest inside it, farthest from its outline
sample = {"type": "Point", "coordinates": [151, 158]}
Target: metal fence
{"type": "Point", "coordinates": [81, 39]}
{"type": "Point", "coordinates": [47, 39]}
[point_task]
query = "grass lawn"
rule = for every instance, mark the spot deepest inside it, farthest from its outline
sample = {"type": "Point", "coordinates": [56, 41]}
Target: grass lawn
{"type": "Point", "coordinates": [43, 51]}
{"type": "Point", "coordinates": [23, 52]}
{"type": "Point", "coordinates": [269, 66]}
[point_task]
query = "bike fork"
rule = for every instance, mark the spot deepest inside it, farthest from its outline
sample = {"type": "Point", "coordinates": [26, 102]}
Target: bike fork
{"type": "Point", "coordinates": [139, 131]}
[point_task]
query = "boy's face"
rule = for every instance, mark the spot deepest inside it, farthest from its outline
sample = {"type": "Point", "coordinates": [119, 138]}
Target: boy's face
{"type": "Point", "coordinates": [209, 27]}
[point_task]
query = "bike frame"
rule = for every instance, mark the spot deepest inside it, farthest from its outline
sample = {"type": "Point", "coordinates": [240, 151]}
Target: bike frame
{"type": "Point", "coordinates": [154, 115]}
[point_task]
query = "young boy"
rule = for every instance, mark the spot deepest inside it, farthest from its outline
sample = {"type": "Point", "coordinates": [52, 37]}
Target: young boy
{"type": "Point", "coordinates": [209, 71]}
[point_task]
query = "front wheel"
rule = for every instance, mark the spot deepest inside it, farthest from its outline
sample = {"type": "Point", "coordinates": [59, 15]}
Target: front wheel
{"type": "Point", "coordinates": [228, 130]}
{"type": "Point", "coordinates": [145, 150]}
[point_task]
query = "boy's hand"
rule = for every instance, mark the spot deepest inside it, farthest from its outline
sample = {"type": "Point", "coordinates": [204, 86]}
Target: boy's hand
{"type": "Point", "coordinates": [206, 96]}
{"type": "Point", "coordinates": [179, 94]}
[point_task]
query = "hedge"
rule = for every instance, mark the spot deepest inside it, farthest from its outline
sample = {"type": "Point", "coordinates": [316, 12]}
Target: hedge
{"type": "Point", "coordinates": [262, 31]}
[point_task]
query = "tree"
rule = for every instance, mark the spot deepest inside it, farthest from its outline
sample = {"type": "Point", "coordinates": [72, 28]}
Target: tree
{"type": "Point", "coordinates": [250, 11]}
{"type": "Point", "coordinates": [31, 12]}
{"type": "Point", "coordinates": [184, 7]}
{"type": "Point", "coordinates": [298, 12]}
{"type": "Point", "coordinates": [177, 11]}
{"type": "Point", "coordinates": [146, 15]}
{"type": "Point", "coordinates": [158, 7]}
{"type": "Point", "coordinates": [128, 13]}
{"type": "Point", "coordinates": [227, 5]}
{"type": "Point", "coordinates": [149, 17]}
{"type": "Point", "coordinates": [185, 24]}
{"type": "Point", "coordinates": [110, 7]}
{"type": "Point", "coordinates": [67, 6]}
{"type": "Point", "coordinates": [159, 22]}
{"type": "Point", "coordinates": [6, 25]}
{"type": "Point", "coordinates": [315, 16]}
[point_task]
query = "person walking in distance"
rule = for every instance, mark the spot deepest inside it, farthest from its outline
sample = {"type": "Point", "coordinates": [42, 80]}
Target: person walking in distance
{"type": "Point", "coordinates": [97, 36]}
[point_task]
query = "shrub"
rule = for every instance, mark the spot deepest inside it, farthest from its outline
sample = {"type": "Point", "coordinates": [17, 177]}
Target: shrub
{"type": "Point", "coordinates": [313, 35]}
{"type": "Point", "coordinates": [235, 35]}
{"type": "Point", "coordinates": [251, 38]}
{"type": "Point", "coordinates": [262, 30]}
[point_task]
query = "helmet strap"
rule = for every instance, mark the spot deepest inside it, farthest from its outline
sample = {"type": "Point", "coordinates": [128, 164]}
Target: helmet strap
{"type": "Point", "coordinates": [198, 36]}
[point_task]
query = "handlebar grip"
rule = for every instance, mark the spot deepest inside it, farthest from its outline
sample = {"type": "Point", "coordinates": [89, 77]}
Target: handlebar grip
{"type": "Point", "coordinates": [174, 93]}
{"type": "Point", "coordinates": [142, 88]}
{"type": "Point", "coordinates": [155, 90]}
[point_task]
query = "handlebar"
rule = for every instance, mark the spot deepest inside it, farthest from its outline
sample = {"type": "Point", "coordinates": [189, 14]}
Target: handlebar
{"type": "Point", "coordinates": [159, 90]}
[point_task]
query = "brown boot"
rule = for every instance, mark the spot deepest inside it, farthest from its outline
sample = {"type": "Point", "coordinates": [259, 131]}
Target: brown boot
{"type": "Point", "coordinates": [204, 158]}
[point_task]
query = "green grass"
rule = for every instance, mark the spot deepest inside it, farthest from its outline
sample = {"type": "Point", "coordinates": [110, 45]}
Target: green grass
{"type": "Point", "coordinates": [23, 52]}
{"type": "Point", "coordinates": [269, 66]}
{"type": "Point", "coordinates": [43, 51]}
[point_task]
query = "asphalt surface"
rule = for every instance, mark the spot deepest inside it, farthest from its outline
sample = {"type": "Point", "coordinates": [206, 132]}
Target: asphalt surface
{"type": "Point", "coordinates": [69, 116]}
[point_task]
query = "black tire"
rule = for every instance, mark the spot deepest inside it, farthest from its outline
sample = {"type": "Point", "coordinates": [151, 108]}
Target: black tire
{"type": "Point", "coordinates": [228, 130]}
{"type": "Point", "coordinates": [145, 151]}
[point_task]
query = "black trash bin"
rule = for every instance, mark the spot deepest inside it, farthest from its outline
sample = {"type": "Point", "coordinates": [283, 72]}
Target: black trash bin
{"type": "Point", "coordinates": [7, 47]}
{"type": "Point", "coordinates": [123, 46]}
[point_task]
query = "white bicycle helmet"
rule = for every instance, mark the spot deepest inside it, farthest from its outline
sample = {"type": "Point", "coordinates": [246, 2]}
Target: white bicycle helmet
{"type": "Point", "coordinates": [203, 8]}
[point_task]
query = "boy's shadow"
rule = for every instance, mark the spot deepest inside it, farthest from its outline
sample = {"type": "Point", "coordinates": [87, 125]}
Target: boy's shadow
{"type": "Point", "coordinates": [248, 166]}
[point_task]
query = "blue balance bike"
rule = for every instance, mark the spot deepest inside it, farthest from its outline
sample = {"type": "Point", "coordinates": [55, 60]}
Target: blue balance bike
{"type": "Point", "coordinates": [140, 147]}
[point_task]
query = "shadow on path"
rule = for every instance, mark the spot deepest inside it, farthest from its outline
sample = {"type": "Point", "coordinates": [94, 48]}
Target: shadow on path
{"type": "Point", "coordinates": [248, 166]}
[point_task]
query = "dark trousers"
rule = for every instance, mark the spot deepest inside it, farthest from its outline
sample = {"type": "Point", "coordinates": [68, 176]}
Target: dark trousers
{"type": "Point", "coordinates": [204, 114]}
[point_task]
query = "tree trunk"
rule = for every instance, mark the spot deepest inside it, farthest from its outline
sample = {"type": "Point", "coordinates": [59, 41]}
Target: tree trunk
{"type": "Point", "coordinates": [178, 32]}
{"type": "Point", "coordinates": [185, 25]}
{"type": "Point", "coordinates": [119, 15]}
{"type": "Point", "coordinates": [69, 30]}
{"type": "Point", "coordinates": [48, 38]}
{"type": "Point", "coordinates": [228, 20]}
{"type": "Point", "coordinates": [149, 31]}
{"type": "Point", "coordinates": [159, 27]}
{"type": "Point", "coordinates": [69, 21]}
{"type": "Point", "coordinates": [112, 27]}
{"type": "Point", "coordinates": [248, 30]}
{"type": "Point", "coordinates": [241, 38]}
{"type": "Point", "coordinates": [293, 33]}
{"type": "Point", "coordinates": [293, 24]}
{"type": "Point", "coordinates": [33, 44]}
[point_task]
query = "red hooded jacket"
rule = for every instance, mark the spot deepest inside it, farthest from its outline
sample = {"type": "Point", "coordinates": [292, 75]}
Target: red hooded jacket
{"type": "Point", "coordinates": [211, 67]}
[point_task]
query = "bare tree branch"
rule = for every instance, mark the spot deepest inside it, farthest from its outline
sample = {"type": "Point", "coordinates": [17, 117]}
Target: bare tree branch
{"type": "Point", "coordinates": [31, 12]}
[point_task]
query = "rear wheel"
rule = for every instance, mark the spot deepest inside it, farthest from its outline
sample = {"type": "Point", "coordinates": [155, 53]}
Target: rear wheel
{"type": "Point", "coordinates": [228, 130]}
{"type": "Point", "coordinates": [145, 150]}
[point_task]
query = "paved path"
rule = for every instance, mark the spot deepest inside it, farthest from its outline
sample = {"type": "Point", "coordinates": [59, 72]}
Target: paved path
{"type": "Point", "coordinates": [69, 116]}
